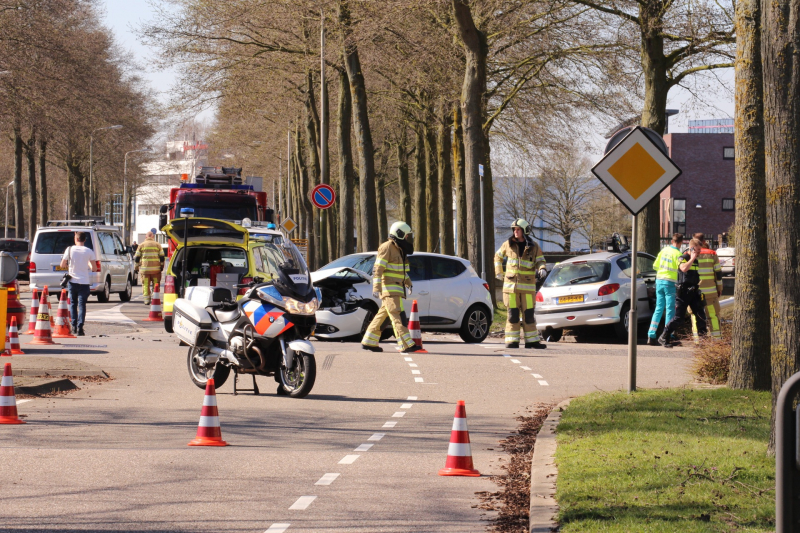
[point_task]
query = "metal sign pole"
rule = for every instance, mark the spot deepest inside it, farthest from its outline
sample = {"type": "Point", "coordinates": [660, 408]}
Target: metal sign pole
{"type": "Point", "coordinates": [633, 321]}
{"type": "Point", "coordinates": [483, 229]}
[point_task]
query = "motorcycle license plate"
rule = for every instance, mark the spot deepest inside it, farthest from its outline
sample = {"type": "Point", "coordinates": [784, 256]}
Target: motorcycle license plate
{"type": "Point", "coordinates": [575, 298]}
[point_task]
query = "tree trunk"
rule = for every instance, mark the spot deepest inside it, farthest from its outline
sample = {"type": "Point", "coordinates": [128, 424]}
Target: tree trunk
{"type": "Point", "coordinates": [402, 180]}
{"type": "Point", "coordinates": [420, 184]}
{"type": "Point", "coordinates": [346, 204]}
{"type": "Point", "coordinates": [443, 152]}
{"type": "Point", "coordinates": [488, 220]}
{"type": "Point", "coordinates": [461, 193]}
{"type": "Point", "coordinates": [366, 153]}
{"type": "Point", "coordinates": [750, 360]}
{"type": "Point", "coordinates": [380, 198]}
{"type": "Point", "coordinates": [472, 95]}
{"type": "Point", "coordinates": [328, 224]}
{"type": "Point", "coordinates": [33, 203]}
{"type": "Point", "coordinates": [654, 67]}
{"type": "Point", "coordinates": [308, 210]}
{"type": "Point", "coordinates": [313, 174]}
{"type": "Point", "coordinates": [782, 162]}
{"type": "Point", "coordinates": [75, 181]}
{"type": "Point", "coordinates": [44, 214]}
{"type": "Point", "coordinates": [431, 187]}
{"type": "Point", "coordinates": [19, 214]}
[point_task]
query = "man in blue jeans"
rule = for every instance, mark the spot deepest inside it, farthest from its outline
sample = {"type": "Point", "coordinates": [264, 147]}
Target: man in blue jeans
{"type": "Point", "coordinates": [666, 264]}
{"type": "Point", "coordinates": [82, 262]}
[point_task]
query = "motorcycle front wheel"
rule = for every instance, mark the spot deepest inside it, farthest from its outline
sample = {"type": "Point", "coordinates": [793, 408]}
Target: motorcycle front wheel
{"type": "Point", "coordinates": [201, 375]}
{"type": "Point", "coordinates": [298, 382]}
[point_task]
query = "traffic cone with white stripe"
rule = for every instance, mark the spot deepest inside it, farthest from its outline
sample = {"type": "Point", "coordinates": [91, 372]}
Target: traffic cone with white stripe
{"type": "Point", "coordinates": [208, 431]}
{"type": "Point", "coordinates": [459, 454]}
{"type": "Point", "coordinates": [12, 339]}
{"type": "Point", "coordinates": [63, 328]}
{"type": "Point", "coordinates": [414, 329]}
{"type": "Point", "coordinates": [155, 306]}
{"type": "Point", "coordinates": [43, 333]}
{"type": "Point", "coordinates": [8, 401]}
{"type": "Point", "coordinates": [34, 312]}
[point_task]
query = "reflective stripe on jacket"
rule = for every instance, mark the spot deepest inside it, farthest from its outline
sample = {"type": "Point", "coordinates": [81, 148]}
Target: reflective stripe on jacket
{"type": "Point", "coordinates": [520, 274]}
{"type": "Point", "coordinates": [710, 271]}
{"type": "Point", "coordinates": [666, 264]}
{"type": "Point", "coordinates": [151, 255]}
{"type": "Point", "coordinates": [390, 273]}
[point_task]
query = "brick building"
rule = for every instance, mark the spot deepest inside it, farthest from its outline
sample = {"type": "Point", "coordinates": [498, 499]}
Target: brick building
{"type": "Point", "coordinates": [702, 199]}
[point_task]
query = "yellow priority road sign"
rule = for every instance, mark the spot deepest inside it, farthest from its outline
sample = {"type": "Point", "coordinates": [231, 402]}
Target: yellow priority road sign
{"type": "Point", "coordinates": [636, 170]}
{"type": "Point", "coordinates": [288, 224]}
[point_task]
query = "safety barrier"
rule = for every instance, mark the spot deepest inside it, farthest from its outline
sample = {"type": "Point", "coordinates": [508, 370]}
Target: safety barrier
{"type": "Point", "coordinates": [787, 458]}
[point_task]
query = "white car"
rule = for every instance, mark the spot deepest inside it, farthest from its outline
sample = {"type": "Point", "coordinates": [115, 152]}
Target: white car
{"type": "Point", "coordinates": [727, 260]}
{"type": "Point", "coordinates": [450, 297]}
{"type": "Point", "coordinates": [594, 290]}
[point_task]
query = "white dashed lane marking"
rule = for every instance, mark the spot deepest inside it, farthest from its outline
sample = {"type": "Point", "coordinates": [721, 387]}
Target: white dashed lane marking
{"type": "Point", "coordinates": [399, 414]}
{"type": "Point", "coordinates": [363, 447]}
{"type": "Point", "coordinates": [327, 479]}
{"type": "Point", "coordinates": [412, 365]}
{"type": "Point", "coordinates": [23, 401]}
{"type": "Point", "coordinates": [506, 355]}
{"type": "Point", "coordinates": [419, 380]}
{"type": "Point", "coordinates": [390, 424]}
{"type": "Point", "coordinates": [416, 372]}
{"type": "Point", "coordinates": [406, 406]}
{"type": "Point", "coordinates": [349, 459]}
{"type": "Point", "coordinates": [303, 502]}
{"type": "Point", "coordinates": [537, 376]}
{"type": "Point", "coordinates": [412, 398]}
{"type": "Point", "coordinates": [543, 383]}
{"type": "Point", "coordinates": [407, 358]}
{"type": "Point", "coordinates": [515, 361]}
{"type": "Point", "coordinates": [277, 528]}
{"type": "Point", "coordinates": [524, 368]}
{"type": "Point", "coordinates": [377, 436]}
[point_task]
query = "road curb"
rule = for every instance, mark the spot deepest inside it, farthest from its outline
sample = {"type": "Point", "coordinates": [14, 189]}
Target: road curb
{"type": "Point", "coordinates": [46, 387]}
{"type": "Point", "coordinates": [544, 474]}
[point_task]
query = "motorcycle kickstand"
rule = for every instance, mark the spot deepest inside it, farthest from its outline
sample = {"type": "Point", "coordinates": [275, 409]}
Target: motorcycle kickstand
{"type": "Point", "coordinates": [254, 390]}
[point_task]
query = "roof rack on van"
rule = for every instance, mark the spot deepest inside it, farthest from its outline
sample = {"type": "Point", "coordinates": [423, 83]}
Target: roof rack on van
{"type": "Point", "coordinates": [81, 221]}
{"type": "Point", "coordinates": [219, 176]}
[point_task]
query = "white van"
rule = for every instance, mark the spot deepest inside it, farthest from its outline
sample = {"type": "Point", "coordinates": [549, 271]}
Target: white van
{"type": "Point", "coordinates": [115, 261]}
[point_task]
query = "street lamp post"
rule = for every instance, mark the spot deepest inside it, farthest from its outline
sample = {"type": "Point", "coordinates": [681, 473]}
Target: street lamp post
{"type": "Point", "coordinates": [7, 186]}
{"type": "Point", "coordinates": [125, 238]}
{"type": "Point", "coordinates": [91, 163]}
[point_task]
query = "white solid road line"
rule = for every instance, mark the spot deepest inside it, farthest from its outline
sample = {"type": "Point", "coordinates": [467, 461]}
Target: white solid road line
{"type": "Point", "coordinates": [348, 460]}
{"type": "Point", "coordinates": [412, 398]}
{"type": "Point", "coordinates": [303, 502]}
{"type": "Point", "coordinates": [327, 479]}
{"type": "Point", "coordinates": [389, 424]}
{"type": "Point", "coordinates": [277, 528]}
{"type": "Point", "coordinates": [364, 448]}
{"type": "Point", "coordinates": [419, 380]}
{"type": "Point", "coordinates": [377, 436]}
{"type": "Point", "coordinates": [416, 372]}
{"type": "Point", "coordinates": [407, 358]}
{"type": "Point", "coordinates": [543, 383]}
{"type": "Point", "coordinates": [399, 414]}
{"type": "Point", "coordinates": [407, 406]}
{"type": "Point", "coordinates": [524, 368]}
{"type": "Point", "coordinates": [537, 376]}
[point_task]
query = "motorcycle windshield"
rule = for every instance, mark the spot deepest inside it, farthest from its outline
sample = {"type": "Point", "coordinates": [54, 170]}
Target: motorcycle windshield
{"type": "Point", "coordinates": [287, 263]}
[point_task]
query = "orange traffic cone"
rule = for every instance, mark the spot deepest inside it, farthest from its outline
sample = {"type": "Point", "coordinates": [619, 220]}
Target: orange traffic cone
{"type": "Point", "coordinates": [414, 329]}
{"type": "Point", "coordinates": [12, 339]}
{"type": "Point", "coordinates": [459, 454]}
{"type": "Point", "coordinates": [43, 333]}
{"type": "Point", "coordinates": [8, 402]}
{"type": "Point", "coordinates": [208, 431]}
{"type": "Point", "coordinates": [34, 312]}
{"type": "Point", "coordinates": [155, 306]}
{"type": "Point", "coordinates": [62, 328]}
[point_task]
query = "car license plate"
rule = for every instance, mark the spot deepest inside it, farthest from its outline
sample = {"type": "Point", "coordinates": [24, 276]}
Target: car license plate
{"type": "Point", "coordinates": [59, 268]}
{"type": "Point", "coordinates": [570, 299]}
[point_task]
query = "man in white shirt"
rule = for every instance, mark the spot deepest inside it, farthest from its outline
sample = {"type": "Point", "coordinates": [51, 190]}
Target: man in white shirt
{"type": "Point", "coordinates": [82, 262]}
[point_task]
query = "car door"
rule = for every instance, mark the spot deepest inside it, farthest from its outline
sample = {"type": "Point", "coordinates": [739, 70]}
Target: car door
{"type": "Point", "coordinates": [450, 290]}
{"type": "Point", "coordinates": [125, 261]}
{"type": "Point", "coordinates": [421, 287]}
{"type": "Point", "coordinates": [645, 280]}
{"type": "Point", "coordinates": [108, 258]}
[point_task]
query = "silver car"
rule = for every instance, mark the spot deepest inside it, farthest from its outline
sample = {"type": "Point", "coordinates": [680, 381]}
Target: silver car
{"type": "Point", "coordinates": [594, 290]}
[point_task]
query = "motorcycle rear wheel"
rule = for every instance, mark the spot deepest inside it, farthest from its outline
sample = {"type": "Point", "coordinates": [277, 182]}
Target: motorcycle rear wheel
{"type": "Point", "coordinates": [299, 382]}
{"type": "Point", "coordinates": [200, 376]}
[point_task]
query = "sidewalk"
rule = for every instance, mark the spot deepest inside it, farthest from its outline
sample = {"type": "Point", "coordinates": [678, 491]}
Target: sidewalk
{"type": "Point", "coordinates": [39, 374]}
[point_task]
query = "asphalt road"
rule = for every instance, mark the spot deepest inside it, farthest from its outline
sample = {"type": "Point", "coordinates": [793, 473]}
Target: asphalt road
{"type": "Point", "coordinates": [361, 453]}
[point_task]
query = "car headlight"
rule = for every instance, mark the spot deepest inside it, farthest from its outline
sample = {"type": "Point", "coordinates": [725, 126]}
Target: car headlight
{"type": "Point", "coordinates": [297, 307]}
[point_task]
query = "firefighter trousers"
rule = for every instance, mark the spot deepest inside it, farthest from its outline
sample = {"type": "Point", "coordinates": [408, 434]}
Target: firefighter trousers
{"type": "Point", "coordinates": [147, 279]}
{"type": "Point", "coordinates": [685, 299]}
{"type": "Point", "coordinates": [711, 302]}
{"type": "Point", "coordinates": [520, 308]}
{"type": "Point", "coordinates": [393, 308]}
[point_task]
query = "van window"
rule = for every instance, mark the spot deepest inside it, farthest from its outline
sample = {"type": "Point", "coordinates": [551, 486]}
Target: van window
{"type": "Point", "coordinates": [106, 243]}
{"type": "Point", "coordinates": [55, 242]}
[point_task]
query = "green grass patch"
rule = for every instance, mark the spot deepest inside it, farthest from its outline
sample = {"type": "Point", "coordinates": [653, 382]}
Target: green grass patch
{"type": "Point", "coordinates": [499, 321]}
{"type": "Point", "coordinates": [666, 460]}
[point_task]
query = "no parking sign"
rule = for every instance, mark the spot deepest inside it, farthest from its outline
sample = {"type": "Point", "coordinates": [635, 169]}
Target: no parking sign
{"type": "Point", "coordinates": [323, 196]}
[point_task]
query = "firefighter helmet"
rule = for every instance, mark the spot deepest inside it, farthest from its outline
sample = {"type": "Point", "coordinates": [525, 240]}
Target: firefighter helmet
{"type": "Point", "coordinates": [522, 224]}
{"type": "Point", "coordinates": [399, 230]}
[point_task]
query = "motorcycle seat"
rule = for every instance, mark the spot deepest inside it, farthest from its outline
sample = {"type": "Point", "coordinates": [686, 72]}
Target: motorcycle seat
{"type": "Point", "coordinates": [225, 313]}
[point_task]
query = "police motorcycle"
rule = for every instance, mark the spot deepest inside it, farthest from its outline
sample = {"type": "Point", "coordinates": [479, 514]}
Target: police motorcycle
{"type": "Point", "coordinates": [265, 333]}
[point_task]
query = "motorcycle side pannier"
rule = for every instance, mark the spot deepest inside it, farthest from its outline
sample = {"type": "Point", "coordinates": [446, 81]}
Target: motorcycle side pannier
{"type": "Point", "coordinates": [191, 324]}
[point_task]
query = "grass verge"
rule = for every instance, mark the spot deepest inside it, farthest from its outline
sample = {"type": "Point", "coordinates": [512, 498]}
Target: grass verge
{"type": "Point", "coordinates": [499, 322]}
{"type": "Point", "coordinates": [689, 460]}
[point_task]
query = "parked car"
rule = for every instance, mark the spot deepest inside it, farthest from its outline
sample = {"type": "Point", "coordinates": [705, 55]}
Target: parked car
{"type": "Point", "coordinates": [219, 254]}
{"type": "Point", "coordinates": [450, 297]}
{"type": "Point", "coordinates": [21, 250]}
{"type": "Point", "coordinates": [114, 261]}
{"type": "Point", "coordinates": [727, 260]}
{"type": "Point", "coordinates": [594, 290]}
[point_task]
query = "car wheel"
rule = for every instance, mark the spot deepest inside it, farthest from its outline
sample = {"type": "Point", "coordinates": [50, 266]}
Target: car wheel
{"type": "Point", "coordinates": [552, 335]}
{"type": "Point", "coordinates": [168, 324]}
{"type": "Point", "coordinates": [476, 323]}
{"type": "Point", "coordinates": [125, 296]}
{"type": "Point", "coordinates": [621, 327]}
{"type": "Point", "coordinates": [371, 310]}
{"type": "Point", "coordinates": [104, 295]}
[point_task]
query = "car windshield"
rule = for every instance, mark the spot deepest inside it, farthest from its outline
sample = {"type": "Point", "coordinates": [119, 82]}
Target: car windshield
{"type": "Point", "coordinates": [364, 263]}
{"type": "Point", "coordinates": [55, 242]}
{"type": "Point", "coordinates": [578, 273]}
{"type": "Point", "coordinates": [266, 237]}
{"type": "Point", "coordinates": [284, 256]}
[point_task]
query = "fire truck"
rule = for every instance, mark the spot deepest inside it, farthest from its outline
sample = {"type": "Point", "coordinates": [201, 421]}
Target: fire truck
{"type": "Point", "coordinates": [217, 192]}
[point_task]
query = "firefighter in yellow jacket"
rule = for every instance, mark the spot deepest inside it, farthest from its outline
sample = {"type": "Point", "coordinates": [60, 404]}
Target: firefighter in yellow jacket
{"type": "Point", "coordinates": [711, 288]}
{"type": "Point", "coordinates": [525, 266]}
{"type": "Point", "coordinates": [389, 282]}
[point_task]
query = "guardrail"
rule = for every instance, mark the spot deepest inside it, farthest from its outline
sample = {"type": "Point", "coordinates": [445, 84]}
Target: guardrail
{"type": "Point", "coordinates": [787, 458]}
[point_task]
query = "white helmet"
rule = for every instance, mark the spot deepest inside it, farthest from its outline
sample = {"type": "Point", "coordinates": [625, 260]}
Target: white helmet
{"type": "Point", "coordinates": [399, 230]}
{"type": "Point", "coordinates": [522, 224]}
